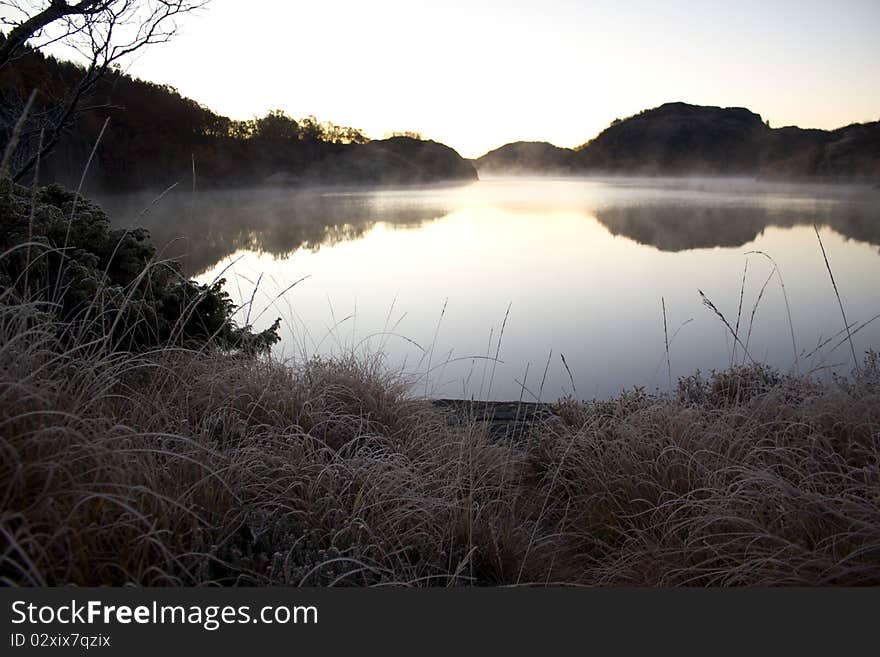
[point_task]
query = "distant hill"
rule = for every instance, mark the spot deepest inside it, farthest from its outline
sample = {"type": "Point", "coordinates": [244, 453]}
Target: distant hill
{"type": "Point", "coordinates": [394, 160]}
{"type": "Point", "coordinates": [523, 157]}
{"type": "Point", "coordinates": [682, 139]}
{"type": "Point", "coordinates": [677, 138]}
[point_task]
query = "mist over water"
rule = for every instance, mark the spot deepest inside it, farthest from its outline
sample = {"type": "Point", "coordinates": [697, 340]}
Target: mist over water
{"type": "Point", "coordinates": [426, 275]}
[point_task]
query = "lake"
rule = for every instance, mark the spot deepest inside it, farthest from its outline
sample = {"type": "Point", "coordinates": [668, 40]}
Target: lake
{"type": "Point", "coordinates": [480, 290]}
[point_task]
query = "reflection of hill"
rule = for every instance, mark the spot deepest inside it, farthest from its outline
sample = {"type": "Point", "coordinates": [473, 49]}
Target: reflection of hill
{"type": "Point", "coordinates": [204, 229]}
{"type": "Point", "coordinates": [679, 226]}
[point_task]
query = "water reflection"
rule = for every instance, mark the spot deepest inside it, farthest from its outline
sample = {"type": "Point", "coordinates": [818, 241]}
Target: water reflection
{"type": "Point", "coordinates": [680, 226]}
{"type": "Point", "coordinates": [426, 275]}
{"type": "Point", "coordinates": [204, 228]}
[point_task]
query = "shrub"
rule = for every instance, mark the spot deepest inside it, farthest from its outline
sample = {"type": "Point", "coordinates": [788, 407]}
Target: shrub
{"type": "Point", "coordinates": [60, 250]}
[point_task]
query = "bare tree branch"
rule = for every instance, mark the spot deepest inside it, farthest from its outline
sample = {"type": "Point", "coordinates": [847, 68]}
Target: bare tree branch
{"type": "Point", "coordinates": [103, 32]}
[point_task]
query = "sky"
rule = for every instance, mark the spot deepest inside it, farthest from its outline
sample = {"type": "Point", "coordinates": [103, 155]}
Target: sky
{"type": "Point", "coordinates": [481, 73]}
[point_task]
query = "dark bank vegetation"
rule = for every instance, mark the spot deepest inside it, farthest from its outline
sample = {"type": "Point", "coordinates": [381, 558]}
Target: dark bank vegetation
{"type": "Point", "coordinates": [179, 458]}
{"type": "Point", "coordinates": [107, 285]}
{"type": "Point", "coordinates": [679, 139]}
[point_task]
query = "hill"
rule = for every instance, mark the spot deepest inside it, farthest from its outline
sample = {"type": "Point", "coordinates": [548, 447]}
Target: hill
{"type": "Point", "coordinates": [523, 157]}
{"type": "Point", "coordinates": [677, 138]}
{"type": "Point", "coordinates": [682, 139]}
{"type": "Point", "coordinates": [394, 160]}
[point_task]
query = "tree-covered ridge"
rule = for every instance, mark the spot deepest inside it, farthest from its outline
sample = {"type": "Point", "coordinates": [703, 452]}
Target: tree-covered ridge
{"type": "Point", "coordinates": [156, 137]}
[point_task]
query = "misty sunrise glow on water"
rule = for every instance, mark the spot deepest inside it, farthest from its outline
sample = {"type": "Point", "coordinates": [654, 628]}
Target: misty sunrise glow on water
{"type": "Point", "coordinates": [426, 275]}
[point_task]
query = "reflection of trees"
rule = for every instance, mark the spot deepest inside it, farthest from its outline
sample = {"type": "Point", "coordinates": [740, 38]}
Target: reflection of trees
{"type": "Point", "coordinates": [204, 229]}
{"type": "Point", "coordinates": [680, 226]}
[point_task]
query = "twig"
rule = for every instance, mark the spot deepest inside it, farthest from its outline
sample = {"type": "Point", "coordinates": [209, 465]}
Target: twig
{"type": "Point", "coordinates": [837, 294]}
{"type": "Point", "coordinates": [666, 340]}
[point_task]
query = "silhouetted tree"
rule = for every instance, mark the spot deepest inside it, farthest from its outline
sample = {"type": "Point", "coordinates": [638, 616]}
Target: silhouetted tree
{"type": "Point", "coordinates": [276, 126]}
{"type": "Point", "coordinates": [241, 129]}
{"type": "Point", "coordinates": [310, 129]}
{"type": "Point", "coordinates": [340, 134]}
{"type": "Point", "coordinates": [411, 134]}
{"type": "Point", "coordinates": [103, 32]}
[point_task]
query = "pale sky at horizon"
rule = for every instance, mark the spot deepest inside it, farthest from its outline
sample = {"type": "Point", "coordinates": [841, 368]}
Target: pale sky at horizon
{"type": "Point", "coordinates": [478, 74]}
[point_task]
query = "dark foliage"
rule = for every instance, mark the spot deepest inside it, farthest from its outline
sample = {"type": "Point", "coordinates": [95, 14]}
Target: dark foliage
{"type": "Point", "coordinates": [59, 251]}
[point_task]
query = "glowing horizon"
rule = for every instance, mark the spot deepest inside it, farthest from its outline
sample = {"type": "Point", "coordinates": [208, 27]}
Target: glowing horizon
{"type": "Point", "coordinates": [480, 74]}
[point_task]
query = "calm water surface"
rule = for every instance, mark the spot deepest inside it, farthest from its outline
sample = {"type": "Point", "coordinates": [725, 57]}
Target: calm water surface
{"type": "Point", "coordinates": [427, 276]}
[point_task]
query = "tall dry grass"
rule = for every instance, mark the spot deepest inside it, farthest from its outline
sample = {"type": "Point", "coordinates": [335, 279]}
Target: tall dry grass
{"type": "Point", "coordinates": [745, 479]}
{"type": "Point", "coordinates": [179, 467]}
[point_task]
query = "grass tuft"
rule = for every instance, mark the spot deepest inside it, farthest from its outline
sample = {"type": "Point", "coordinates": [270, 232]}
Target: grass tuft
{"type": "Point", "coordinates": [179, 467]}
